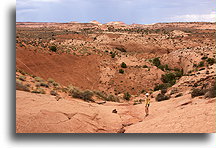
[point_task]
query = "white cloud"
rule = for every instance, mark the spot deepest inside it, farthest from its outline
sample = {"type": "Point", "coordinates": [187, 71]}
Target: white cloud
{"type": "Point", "coordinates": [195, 18]}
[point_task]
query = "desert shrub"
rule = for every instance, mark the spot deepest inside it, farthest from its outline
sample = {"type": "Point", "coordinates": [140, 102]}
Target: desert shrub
{"type": "Point", "coordinates": [101, 95]}
{"type": "Point", "coordinates": [112, 98]}
{"type": "Point", "coordinates": [204, 58]}
{"type": "Point", "coordinates": [161, 97]}
{"type": "Point", "coordinates": [194, 65]}
{"type": "Point", "coordinates": [53, 48]}
{"type": "Point", "coordinates": [201, 64]}
{"type": "Point", "coordinates": [39, 91]}
{"type": "Point", "coordinates": [43, 84]}
{"type": "Point", "coordinates": [156, 62]}
{"type": "Point", "coordinates": [38, 79]}
{"type": "Point", "coordinates": [145, 66]}
{"type": "Point", "coordinates": [179, 73]}
{"type": "Point", "coordinates": [137, 102]}
{"type": "Point", "coordinates": [65, 89]}
{"type": "Point", "coordinates": [143, 91]}
{"type": "Point", "coordinates": [53, 92]}
{"type": "Point", "coordinates": [50, 80]}
{"type": "Point", "coordinates": [162, 67]}
{"type": "Point", "coordinates": [113, 55]}
{"type": "Point", "coordinates": [127, 96]}
{"type": "Point", "coordinates": [166, 67]}
{"type": "Point", "coordinates": [37, 84]}
{"type": "Point", "coordinates": [121, 71]}
{"type": "Point", "coordinates": [168, 78]}
{"type": "Point", "coordinates": [121, 49]}
{"type": "Point", "coordinates": [22, 78]}
{"type": "Point", "coordinates": [55, 84]}
{"type": "Point", "coordinates": [21, 86]}
{"type": "Point", "coordinates": [211, 61]}
{"type": "Point", "coordinates": [84, 95]}
{"type": "Point", "coordinates": [123, 65]}
{"type": "Point", "coordinates": [22, 72]}
{"type": "Point", "coordinates": [176, 69]}
{"type": "Point", "coordinates": [197, 92]}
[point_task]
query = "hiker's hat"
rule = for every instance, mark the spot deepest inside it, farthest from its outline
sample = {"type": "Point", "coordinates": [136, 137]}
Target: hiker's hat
{"type": "Point", "coordinates": [147, 94]}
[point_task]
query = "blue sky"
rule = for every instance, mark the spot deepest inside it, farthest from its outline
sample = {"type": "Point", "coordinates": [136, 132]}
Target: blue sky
{"type": "Point", "coordinates": [128, 11]}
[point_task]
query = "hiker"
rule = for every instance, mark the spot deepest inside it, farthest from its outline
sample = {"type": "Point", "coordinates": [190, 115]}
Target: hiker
{"type": "Point", "coordinates": [147, 104]}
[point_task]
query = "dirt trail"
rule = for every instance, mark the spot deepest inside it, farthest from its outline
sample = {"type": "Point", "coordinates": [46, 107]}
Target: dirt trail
{"type": "Point", "coordinates": [43, 114]}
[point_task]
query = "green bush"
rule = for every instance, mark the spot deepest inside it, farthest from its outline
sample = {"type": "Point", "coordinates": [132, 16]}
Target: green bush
{"type": "Point", "coordinates": [44, 84]}
{"type": "Point", "coordinates": [113, 55]}
{"type": "Point", "coordinates": [211, 61]}
{"type": "Point", "coordinates": [123, 65]}
{"type": "Point", "coordinates": [168, 78]}
{"type": "Point", "coordinates": [162, 67]}
{"type": "Point", "coordinates": [204, 58]}
{"type": "Point", "coordinates": [121, 71]}
{"type": "Point", "coordinates": [156, 62]}
{"type": "Point", "coordinates": [176, 69]}
{"type": "Point", "coordinates": [179, 73]}
{"type": "Point", "coordinates": [201, 64]}
{"type": "Point", "coordinates": [166, 67]}
{"type": "Point", "coordinates": [53, 48]}
{"type": "Point", "coordinates": [145, 66]}
{"type": "Point", "coordinates": [126, 96]}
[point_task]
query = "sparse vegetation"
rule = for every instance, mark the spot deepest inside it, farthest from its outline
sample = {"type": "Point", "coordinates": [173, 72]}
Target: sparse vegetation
{"type": "Point", "coordinates": [201, 64]}
{"type": "Point", "coordinates": [39, 91]}
{"type": "Point", "coordinates": [204, 58]}
{"type": "Point", "coordinates": [53, 48]}
{"type": "Point", "coordinates": [38, 79]}
{"type": "Point", "coordinates": [145, 66]}
{"type": "Point", "coordinates": [156, 62]}
{"type": "Point", "coordinates": [126, 96]}
{"type": "Point", "coordinates": [21, 86]}
{"type": "Point", "coordinates": [84, 95]}
{"type": "Point", "coordinates": [123, 65]}
{"type": "Point", "coordinates": [112, 98]}
{"type": "Point", "coordinates": [121, 71]}
{"type": "Point", "coordinates": [169, 79]}
{"type": "Point", "coordinates": [113, 55]}
{"type": "Point", "coordinates": [50, 80]}
{"type": "Point", "coordinates": [211, 61]}
{"type": "Point", "coordinates": [22, 78]}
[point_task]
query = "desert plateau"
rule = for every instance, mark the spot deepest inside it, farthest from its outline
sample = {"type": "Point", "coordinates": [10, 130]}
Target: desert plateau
{"type": "Point", "coordinates": [93, 78]}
